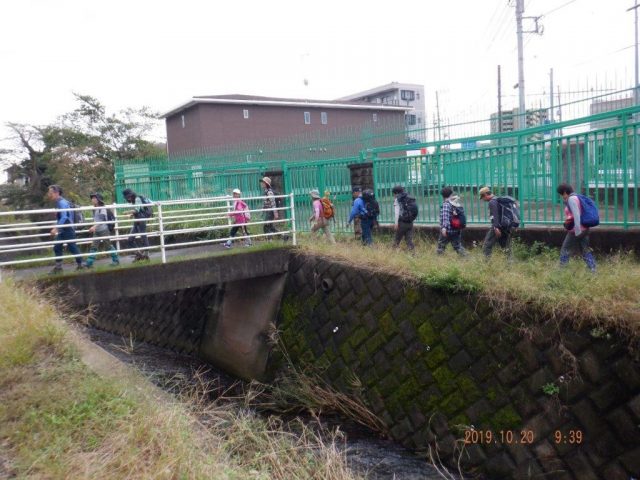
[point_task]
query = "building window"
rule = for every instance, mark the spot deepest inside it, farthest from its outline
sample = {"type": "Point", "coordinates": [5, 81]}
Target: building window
{"type": "Point", "coordinates": [182, 119]}
{"type": "Point", "coordinates": [307, 118]}
{"type": "Point", "coordinates": [410, 119]}
{"type": "Point", "coordinates": [419, 120]}
{"type": "Point", "coordinates": [375, 117]}
{"type": "Point", "coordinates": [245, 113]}
{"type": "Point", "coordinates": [323, 118]}
{"type": "Point", "coordinates": [408, 95]}
{"type": "Point", "coordinates": [417, 95]}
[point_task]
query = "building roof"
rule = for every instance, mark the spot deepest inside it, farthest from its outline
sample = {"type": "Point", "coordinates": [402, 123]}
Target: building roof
{"type": "Point", "coordinates": [236, 99]}
{"type": "Point", "coordinates": [382, 88]}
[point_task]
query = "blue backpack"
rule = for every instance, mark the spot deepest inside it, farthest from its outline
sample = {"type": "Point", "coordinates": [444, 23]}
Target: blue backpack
{"type": "Point", "coordinates": [589, 216]}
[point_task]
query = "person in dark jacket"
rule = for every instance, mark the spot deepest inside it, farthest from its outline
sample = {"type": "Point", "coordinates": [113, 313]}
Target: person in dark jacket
{"type": "Point", "coordinates": [402, 228]}
{"type": "Point", "coordinates": [62, 231]}
{"type": "Point", "coordinates": [496, 233]}
{"type": "Point", "coordinates": [448, 234]}
{"type": "Point", "coordinates": [139, 227]}
{"type": "Point", "coordinates": [577, 234]}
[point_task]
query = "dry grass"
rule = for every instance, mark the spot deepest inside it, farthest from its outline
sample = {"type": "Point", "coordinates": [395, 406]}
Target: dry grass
{"type": "Point", "coordinates": [58, 419]}
{"type": "Point", "coordinates": [532, 282]}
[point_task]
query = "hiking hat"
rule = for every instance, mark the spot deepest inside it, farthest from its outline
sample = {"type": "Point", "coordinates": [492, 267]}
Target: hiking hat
{"type": "Point", "coordinates": [237, 190]}
{"type": "Point", "coordinates": [356, 189]}
{"type": "Point", "coordinates": [314, 193]}
{"type": "Point", "coordinates": [484, 191]}
{"type": "Point", "coordinates": [266, 180]}
{"type": "Point", "coordinates": [98, 196]}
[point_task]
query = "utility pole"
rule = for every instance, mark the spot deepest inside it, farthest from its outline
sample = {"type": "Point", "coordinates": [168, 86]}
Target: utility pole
{"type": "Point", "coordinates": [499, 101]}
{"type": "Point", "coordinates": [636, 94]}
{"type": "Point", "coordinates": [551, 95]}
{"type": "Point", "coordinates": [438, 113]}
{"type": "Point", "coordinates": [521, 107]}
{"type": "Point", "coordinates": [559, 109]}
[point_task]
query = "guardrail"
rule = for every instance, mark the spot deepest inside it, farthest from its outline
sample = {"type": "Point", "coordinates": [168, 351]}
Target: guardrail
{"type": "Point", "coordinates": [175, 224]}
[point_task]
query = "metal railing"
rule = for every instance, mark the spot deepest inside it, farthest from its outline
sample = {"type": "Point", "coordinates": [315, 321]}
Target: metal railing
{"type": "Point", "coordinates": [175, 224]}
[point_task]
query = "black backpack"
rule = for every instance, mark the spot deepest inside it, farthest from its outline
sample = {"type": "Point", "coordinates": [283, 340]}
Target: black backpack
{"type": "Point", "coordinates": [76, 216]}
{"type": "Point", "coordinates": [279, 203]}
{"type": "Point", "coordinates": [147, 210]}
{"type": "Point", "coordinates": [111, 218]}
{"type": "Point", "coordinates": [408, 209]}
{"type": "Point", "coordinates": [509, 213]}
{"type": "Point", "coordinates": [371, 205]}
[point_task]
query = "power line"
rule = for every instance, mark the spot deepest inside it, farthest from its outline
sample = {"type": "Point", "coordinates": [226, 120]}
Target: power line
{"type": "Point", "coordinates": [558, 8]}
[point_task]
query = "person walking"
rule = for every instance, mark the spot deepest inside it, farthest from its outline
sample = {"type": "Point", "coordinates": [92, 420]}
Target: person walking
{"type": "Point", "coordinates": [451, 223]}
{"type": "Point", "coordinates": [405, 212]}
{"type": "Point", "coordinates": [100, 232]}
{"type": "Point", "coordinates": [141, 212]}
{"type": "Point", "coordinates": [357, 227]}
{"type": "Point", "coordinates": [269, 207]}
{"type": "Point", "coordinates": [577, 237]}
{"type": "Point", "coordinates": [499, 232]}
{"type": "Point", "coordinates": [241, 216]}
{"type": "Point", "coordinates": [62, 232]}
{"type": "Point", "coordinates": [319, 220]}
{"type": "Point", "coordinates": [359, 211]}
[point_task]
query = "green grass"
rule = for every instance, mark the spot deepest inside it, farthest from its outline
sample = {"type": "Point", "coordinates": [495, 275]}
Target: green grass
{"type": "Point", "coordinates": [532, 282]}
{"type": "Point", "coordinates": [60, 419]}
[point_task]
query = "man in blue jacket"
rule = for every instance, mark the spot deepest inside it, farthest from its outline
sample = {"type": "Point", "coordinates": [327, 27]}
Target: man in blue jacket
{"type": "Point", "coordinates": [61, 232]}
{"type": "Point", "coordinates": [359, 211]}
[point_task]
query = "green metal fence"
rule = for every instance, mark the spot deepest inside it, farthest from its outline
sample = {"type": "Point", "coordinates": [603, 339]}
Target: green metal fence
{"type": "Point", "coordinates": [599, 157]}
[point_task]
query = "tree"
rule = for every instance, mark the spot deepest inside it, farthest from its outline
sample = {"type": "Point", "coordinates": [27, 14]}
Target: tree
{"type": "Point", "coordinates": [77, 151]}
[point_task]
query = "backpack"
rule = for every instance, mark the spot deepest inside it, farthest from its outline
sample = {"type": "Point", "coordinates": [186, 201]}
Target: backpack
{"type": "Point", "coordinates": [408, 209]}
{"type": "Point", "coordinates": [458, 218]}
{"type": "Point", "coordinates": [589, 216]}
{"type": "Point", "coordinates": [328, 210]}
{"type": "Point", "coordinates": [76, 216]}
{"type": "Point", "coordinates": [146, 211]}
{"type": "Point", "coordinates": [508, 212]}
{"type": "Point", "coordinates": [278, 200]}
{"type": "Point", "coordinates": [111, 218]}
{"type": "Point", "coordinates": [371, 205]}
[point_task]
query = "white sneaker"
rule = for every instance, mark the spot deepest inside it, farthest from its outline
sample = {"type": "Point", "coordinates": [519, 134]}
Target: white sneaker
{"type": "Point", "coordinates": [227, 244]}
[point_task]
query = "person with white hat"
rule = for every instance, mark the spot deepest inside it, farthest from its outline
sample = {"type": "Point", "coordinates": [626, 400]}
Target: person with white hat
{"type": "Point", "coordinates": [269, 206]}
{"type": "Point", "coordinates": [319, 220]}
{"type": "Point", "coordinates": [241, 216]}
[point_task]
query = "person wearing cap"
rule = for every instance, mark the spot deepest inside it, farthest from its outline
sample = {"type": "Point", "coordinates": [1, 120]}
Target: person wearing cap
{"type": "Point", "coordinates": [448, 234]}
{"type": "Point", "coordinates": [318, 219]}
{"type": "Point", "coordinates": [241, 216]}
{"type": "Point", "coordinates": [62, 231]}
{"type": "Point", "coordinates": [496, 233]}
{"type": "Point", "coordinates": [269, 207]}
{"type": "Point", "coordinates": [355, 217]}
{"type": "Point", "coordinates": [139, 227]}
{"type": "Point", "coordinates": [100, 232]}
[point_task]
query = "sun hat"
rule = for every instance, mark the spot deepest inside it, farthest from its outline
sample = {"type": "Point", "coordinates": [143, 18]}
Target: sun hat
{"type": "Point", "coordinates": [266, 180]}
{"type": "Point", "coordinates": [315, 193]}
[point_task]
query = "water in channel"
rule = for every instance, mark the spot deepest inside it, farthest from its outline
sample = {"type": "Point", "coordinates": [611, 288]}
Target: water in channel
{"type": "Point", "coordinates": [368, 455]}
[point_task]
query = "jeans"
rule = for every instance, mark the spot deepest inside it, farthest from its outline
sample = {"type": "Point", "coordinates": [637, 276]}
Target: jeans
{"type": "Point", "coordinates": [367, 226]}
{"type": "Point", "coordinates": [139, 228]}
{"type": "Point", "coordinates": [66, 233]}
{"type": "Point", "coordinates": [582, 244]}
{"type": "Point", "coordinates": [453, 237]}
{"type": "Point", "coordinates": [404, 230]}
{"type": "Point", "coordinates": [490, 240]}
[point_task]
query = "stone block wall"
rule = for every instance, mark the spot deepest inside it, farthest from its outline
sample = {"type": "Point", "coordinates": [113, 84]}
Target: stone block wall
{"type": "Point", "coordinates": [531, 399]}
{"type": "Point", "coordinates": [361, 175]}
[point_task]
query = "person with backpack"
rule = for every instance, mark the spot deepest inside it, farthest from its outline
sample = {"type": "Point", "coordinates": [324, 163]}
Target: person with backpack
{"type": "Point", "coordinates": [62, 232]}
{"type": "Point", "coordinates": [322, 213]}
{"type": "Point", "coordinates": [356, 192]}
{"type": "Point", "coordinates": [580, 214]}
{"type": "Point", "coordinates": [141, 212]}
{"type": "Point", "coordinates": [369, 217]}
{"type": "Point", "coordinates": [504, 216]}
{"type": "Point", "coordinates": [269, 207]}
{"type": "Point", "coordinates": [452, 221]}
{"type": "Point", "coordinates": [359, 211]}
{"type": "Point", "coordinates": [101, 231]}
{"type": "Point", "coordinates": [405, 211]}
{"type": "Point", "coordinates": [241, 216]}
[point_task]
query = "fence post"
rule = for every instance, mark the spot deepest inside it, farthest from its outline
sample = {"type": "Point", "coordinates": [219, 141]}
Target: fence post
{"type": "Point", "coordinates": [116, 228]}
{"type": "Point", "coordinates": [625, 174]}
{"type": "Point", "coordinates": [161, 228]}
{"type": "Point", "coordinates": [229, 222]}
{"type": "Point", "coordinates": [293, 219]}
{"type": "Point", "coordinates": [519, 176]}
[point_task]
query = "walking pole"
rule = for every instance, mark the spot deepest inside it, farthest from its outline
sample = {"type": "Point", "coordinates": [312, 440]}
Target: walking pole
{"type": "Point", "coordinates": [161, 227]}
{"type": "Point", "coordinates": [293, 218]}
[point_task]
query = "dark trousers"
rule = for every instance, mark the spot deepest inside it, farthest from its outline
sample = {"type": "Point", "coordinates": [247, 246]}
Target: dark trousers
{"type": "Point", "coordinates": [453, 237]}
{"type": "Point", "coordinates": [367, 227]}
{"type": "Point", "coordinates": [269, 227]}
{"type": "Point", "coordinates": [404, 230]}
{"type": "Point", "coordinates": [139, 228]}
{"type": "Point", "coordinates": [67, 233]}
{"type": "Point", "coordinates": [582, 244]}
{"type": "Point", "coordinates": [235, 228]}
{"type": "Point", "coordinates": [491, 239]}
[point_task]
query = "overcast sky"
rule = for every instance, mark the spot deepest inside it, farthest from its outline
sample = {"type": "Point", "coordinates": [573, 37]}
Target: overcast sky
{"type": "Point", "coordinates": [160, 53]}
